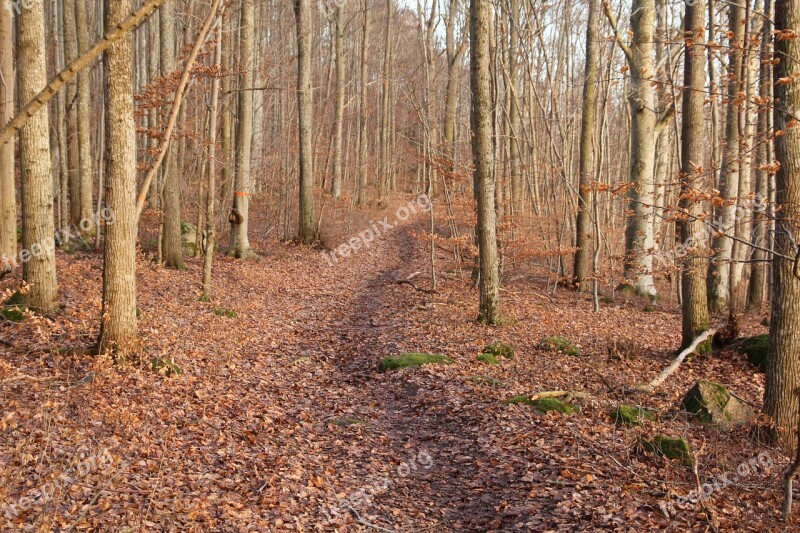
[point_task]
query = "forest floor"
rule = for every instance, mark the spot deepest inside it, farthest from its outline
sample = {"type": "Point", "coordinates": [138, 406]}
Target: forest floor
{"type": "Point", "coordinates": [281, 419]}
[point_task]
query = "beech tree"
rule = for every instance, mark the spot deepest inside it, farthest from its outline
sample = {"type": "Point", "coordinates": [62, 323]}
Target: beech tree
{"type": "Point", "coordinates": [305, 109]}
{"type": "Point", "coordinates": [118, 327]}
{"type": "Point", "coordinates": [39, 268]}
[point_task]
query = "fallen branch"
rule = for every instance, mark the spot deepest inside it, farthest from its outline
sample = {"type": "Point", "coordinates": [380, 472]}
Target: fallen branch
{"type": "Point", "coordinates": [662, 377]}
{"type": "Point", "coordinates": [419, 289]}
{"type": "Point", "coordinates": [558, 394]}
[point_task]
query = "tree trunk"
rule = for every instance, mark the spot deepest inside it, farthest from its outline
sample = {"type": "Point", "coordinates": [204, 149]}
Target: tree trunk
{"type": "Point", "coordinates": [39, 267]}
{"type": "Point", "coordinates": [783, 360]}
{"type": "Point", "coordinates": [385, 114]}
{"type": "Point", "coordinates": [240, 239]}
{"type": "Point", "coordinates": [154, 194]}
{"type": "Point", "coordinates": [118, 331]}
{"type": "Point", "coordinates": [639, 238]}
{"type": "Point", "coordinates": [341, 88]}
{"type": "Point", "coordinates": [8, 194]}
{"type": "Point", "coordinates": [515, 122]}
{"type": "Point", "coordinates": [362, 137]}
{"type": "Point", "coordinates": [172, 247]}
{"type": "Point", "coordinates": [583, 222]}
{"type": "Point", "coordinates": [692, 229]}
{"type": "Point", "coordinates": [211, 217]}
{"type": "Point", "coordinates": [305, 109]}
{"type": "Point", "coordinates": [84, 123]}
{"type": "Point", "coordinates": [483, 159]}
{"type": "Point", "coordinates": [755, 298]}
{"type": "Point", "coordinates": [73, 154]}
{"type": "Point", "coordinates": [720, 271]}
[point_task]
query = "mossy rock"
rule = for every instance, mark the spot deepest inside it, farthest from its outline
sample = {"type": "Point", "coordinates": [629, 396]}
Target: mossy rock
{"type": "Point", "coordinates": [755, 348]}
{"type": "Point", "coordinates": [560, 344]}
{"type": "Point", "coordinates": [228, 313]}
{"type": "Point", "coordinates": [188, 237]}
{"type": "Point", "coordinates": [413, 360]}
{"type": "Point", "coordinates": [626, 289]}
{"type": "Point", "coordinates": [713, 404]}
{"type": "Point", "coordinates": [631, 415]}
{"type": "Point", "coordinates": [669, 447]}
{"type": "Point", "coordinates": [544, 405]}
{"type": "Point", "coordinates": [168, 368]}
{"type": "Point", "coordinates": [500, 349]}
{"type": "Point", "coordinates": [489, 359]}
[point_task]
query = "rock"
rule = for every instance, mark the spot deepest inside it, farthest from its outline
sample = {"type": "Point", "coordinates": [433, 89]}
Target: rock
{"type": "Point", "coordinates": [755, 348]}
{"type": "Point", "coordinates": [544, 405]}
{"type": "Point", "coordinates": [713, 404]}
{"type": "Point", "coordinates": [631, 415]}
{"type": "Point", "coordinates": [500, 349]}
{"type": "Point", "coordinates": [669, 447]}
{"type": "Point", "coordinates": [413, 360]}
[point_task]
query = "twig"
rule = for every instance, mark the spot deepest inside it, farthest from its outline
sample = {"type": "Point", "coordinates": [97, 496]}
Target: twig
{"type": "Point", "coordinates": [419, 289]}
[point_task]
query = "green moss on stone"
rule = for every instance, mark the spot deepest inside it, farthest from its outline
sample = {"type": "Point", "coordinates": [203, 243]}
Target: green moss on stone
{"type": "Point", "coordinates": [669, 447]}
{"type": "Point", "coordinates": [755, 348]}
{"type": "Point", "coordinates": [345, 421]}
{"type": "Point", "coordinates": [500, 349]}
{"type": "Point", "coordinates": [544, 405]}
{"type": "Point", "coordinates": [631, 415]}
{"type": "Point", "coordinates": [413, 360]}
{"type": "Point", "coordinates": [229, 313]}
{"type": "Point", "coordinates": [560, 344]}
{"type": "Point", "coordinates": [489, 359]}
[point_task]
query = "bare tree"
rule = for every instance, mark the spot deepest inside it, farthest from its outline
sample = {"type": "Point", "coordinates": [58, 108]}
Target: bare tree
{"type": "Point", "coordinates": [305, 103]}
{"type": "Point", "coordinates": [483, 159]}
{"type": "Point", "coordinates": [8, 196]}
{"type": "Point", "coordinates": [338, 171]}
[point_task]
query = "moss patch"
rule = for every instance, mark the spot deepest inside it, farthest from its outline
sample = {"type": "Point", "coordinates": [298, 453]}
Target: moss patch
{"type": "Point", "coordinates": [544, 405]}
{"type": "Point", "coordinates": [755, 348]}
{"type": "Point", "coordinates": [228, 313]}
{"type": "Point", "coordinates": [413, 360]}
{"type": "Point", "coordinates": [345, 421]}
{"type": "Point", "coordinates": [626, 289]}
{"type": "Point", "coordinates": [669, 447]}
{"type": "Point", "coordinates": [14, 309]}
{"type": "Point", "coordinates": [500, 349]}
{"type": "Point", "coordinates": [631, 415]}
{"type": "Point", "coordinates": [489, 359]}
{"type": "Point", "coordinates": [560, 344]}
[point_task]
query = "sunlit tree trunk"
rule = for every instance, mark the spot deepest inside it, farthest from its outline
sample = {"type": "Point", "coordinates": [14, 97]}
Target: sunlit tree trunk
{"type": "Point", "coordinates": [385, 115]}
{"type": "Point", "coordinates": [338, 171]}
{"type": "Point", "coordinates": [73, 154]}
{"type": "Point", "coordinates": [8, 198]}
{"type": "Point", "coordinates": [515, 121]}
{"type": "Point", "coordinates": [362, 136]}
{"type": "Point", "coordinates": [37, 186]}
{"type": "Point", "coordinates": [305, 109]}
{"type": "Point", "coordinates": [783, 361]}
{"type": "Point", "coordinates": [118, 331]}
{"type": "Point", "coordinates": [240, 239]}
{"type": "Point", "coordinates": [211, 198]}
{"type": "Point", "coordinates": [483, 157]}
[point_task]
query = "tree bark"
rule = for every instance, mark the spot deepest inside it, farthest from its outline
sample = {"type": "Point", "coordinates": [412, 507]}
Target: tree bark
{"type": "Point", "coordinates": [385, 109]}
{"type": "Point", "coordinates": [118, 330]}
{"type": "Point", "coordinates": [305, 109]}
{"type": "Point", "coordinates": [483, 159]}
{"type": "Point", "coordinates": [783, 360]}
{"type": "Point", "coordinates": [362, 137]}
{"type": "Point", "coordinates": [588, 121]}
{"type": "Point", "coordinates": [693, 153]}
{"type": "Point", "coordinates": [211, 198]}
{"type": "Point", "coordinates": [37, 186]}
{"type": "Point", "coordinates": [73, 148]}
